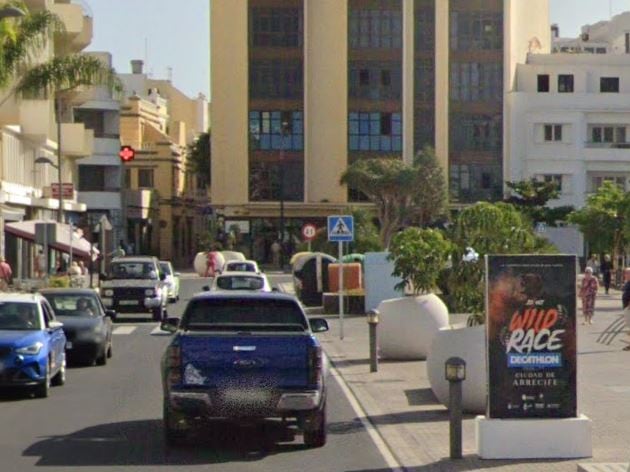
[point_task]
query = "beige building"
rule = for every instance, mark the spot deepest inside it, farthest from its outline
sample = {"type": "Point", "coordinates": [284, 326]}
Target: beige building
{"type": "Point", "coordinates": [163, 202]}
{"type": "Point", "coordinates": [28, 131]}
{"type": "Point", "coordinates": [302, 88]}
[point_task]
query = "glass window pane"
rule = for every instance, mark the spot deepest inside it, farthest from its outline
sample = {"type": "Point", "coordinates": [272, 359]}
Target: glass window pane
{"type": "Point", "coordinates": [364, 143]}
{"type": "Point", "coordinates": [374, 143]}
{"type": "Point", "coordinates": [354, 143]}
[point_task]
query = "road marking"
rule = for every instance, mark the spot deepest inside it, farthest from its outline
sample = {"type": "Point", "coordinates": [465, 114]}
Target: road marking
{"type": "Point", "coordinates": [376, 437]}
{"type": "Point", "coordinates": [124, 329]}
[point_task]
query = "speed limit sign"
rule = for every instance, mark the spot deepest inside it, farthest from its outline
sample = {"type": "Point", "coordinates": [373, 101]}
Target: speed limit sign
{"type": "Point", "coordinates": [308, 232]}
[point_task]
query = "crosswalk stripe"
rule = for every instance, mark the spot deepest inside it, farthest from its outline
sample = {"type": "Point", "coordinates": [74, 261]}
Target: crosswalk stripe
{"type": "Point", "coordinates": [124, 329]}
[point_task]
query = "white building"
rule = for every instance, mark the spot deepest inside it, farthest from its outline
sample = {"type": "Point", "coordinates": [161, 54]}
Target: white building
{"type": "Point", "coordinates": [604, 37]}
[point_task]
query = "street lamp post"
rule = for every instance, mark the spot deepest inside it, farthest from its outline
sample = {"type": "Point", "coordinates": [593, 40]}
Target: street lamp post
{"type": "Point", "coordinates": [283, 133]}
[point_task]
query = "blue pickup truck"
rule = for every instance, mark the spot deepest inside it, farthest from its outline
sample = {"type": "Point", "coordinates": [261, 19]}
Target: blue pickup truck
{"type": "Point", "coordinates": [244, 356]}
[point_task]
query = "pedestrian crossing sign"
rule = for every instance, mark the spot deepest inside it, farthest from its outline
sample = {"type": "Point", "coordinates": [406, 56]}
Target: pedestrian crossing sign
{"type": "Point", "coordinates": [340, 228]}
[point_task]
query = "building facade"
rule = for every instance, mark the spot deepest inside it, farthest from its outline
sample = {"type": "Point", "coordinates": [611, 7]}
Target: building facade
{"type": "Point", "coordinates": [303, 88]}
{"type": "Point", "coordinates": [28, 132]}
{"type": "Point", "coordinates": [163, 205]}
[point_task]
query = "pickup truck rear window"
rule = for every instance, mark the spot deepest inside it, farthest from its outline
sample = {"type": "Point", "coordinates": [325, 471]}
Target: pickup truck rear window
{"type": "Point", "coordinates": [249, 313]}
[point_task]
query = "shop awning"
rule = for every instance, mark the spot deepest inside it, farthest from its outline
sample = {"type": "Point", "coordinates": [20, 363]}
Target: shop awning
{"type": "Point", "coordinates": [81, 247]}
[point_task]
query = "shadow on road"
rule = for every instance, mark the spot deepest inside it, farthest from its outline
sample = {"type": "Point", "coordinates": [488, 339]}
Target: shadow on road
{"type": "Point", "coordinates": [141, 443]}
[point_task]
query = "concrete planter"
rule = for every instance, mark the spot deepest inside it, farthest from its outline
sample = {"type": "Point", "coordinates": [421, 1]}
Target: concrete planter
{"type": "Point", "coordinates": [407, 325]}
{"type": "Point", "coordinates": [469, 343]}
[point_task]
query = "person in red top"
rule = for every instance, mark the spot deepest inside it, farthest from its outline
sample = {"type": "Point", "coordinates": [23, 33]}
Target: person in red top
{"type": "Point", "coordinates": [588, 292]}
{"type": "Point", "coordinates": [6, 274]}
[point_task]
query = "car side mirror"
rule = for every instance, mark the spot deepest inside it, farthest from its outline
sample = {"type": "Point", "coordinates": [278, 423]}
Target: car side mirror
{"type": "Point", "coordinates": [206, 288]}
{"type": "Point", "coordinates": [170, 325]}
{"type": "Point", "coordinates": [54, 325]}
{"type": "Point", "coordinates": [319, 325]}
{"type": "Point", "coordinates": [111, 314]}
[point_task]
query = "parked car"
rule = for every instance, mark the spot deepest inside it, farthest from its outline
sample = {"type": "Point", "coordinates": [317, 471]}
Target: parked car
{"type": "Point", "coordinates": [86, 323]}
{"type": "Point", "coordinates": [135, 284]}
{"type": "Point", "coordinates": [241, 281]}
{"type": "Point", "coordinates": [32, 344]}
{"type": "Point", "coordinates": [244, 356]}
{"type": "Point", "coordinates": [242, 266]}
{"type": "Point", "coordinates": [171, 281]}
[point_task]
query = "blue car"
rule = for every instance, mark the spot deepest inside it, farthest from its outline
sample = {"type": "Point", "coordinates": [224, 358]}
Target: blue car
{"type": "Point", "coordinates": [32, 344]}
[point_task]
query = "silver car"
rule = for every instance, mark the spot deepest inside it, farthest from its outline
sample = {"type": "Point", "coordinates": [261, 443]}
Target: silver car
{"type": "Point", "coordinates": [171, 281]}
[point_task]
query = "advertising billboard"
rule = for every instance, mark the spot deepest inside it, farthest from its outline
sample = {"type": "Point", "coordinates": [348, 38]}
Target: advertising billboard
{"type": "Point", "coordinates": [531, 336]}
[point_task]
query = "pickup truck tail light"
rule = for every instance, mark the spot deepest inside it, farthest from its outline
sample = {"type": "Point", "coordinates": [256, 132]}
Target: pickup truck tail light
{"type": "Point", "coordinates": [314, 365]}
{"type": "Point", "coordinates": [173, 365]}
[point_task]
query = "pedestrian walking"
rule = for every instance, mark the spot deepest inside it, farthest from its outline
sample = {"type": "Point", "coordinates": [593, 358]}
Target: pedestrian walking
{"type": "Point", "coordinates": [40, 265]}
{"type": "Point", "coordinates": [276, 249]}
{"type": "Point", "coordinates": [588, 293]}
{"type": "Point", "coordinates": [6, 274]}
{"type": "Point", "coordinates": [625, 301]}
{"type": "Point", "coordinates": [606, 270]}
{"type": "Point", "coordinates": [593, 263]}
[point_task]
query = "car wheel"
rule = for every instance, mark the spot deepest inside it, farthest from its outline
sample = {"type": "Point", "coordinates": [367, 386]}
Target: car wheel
{"type": "Point", "coordinates": [43, 389]}
{"type": "Point", "coordinates": [315, 429]}
{"type": "Point", "coordinates": [109, 350]}
{"type": "Point", "coordinates": [102, 358]}
{"type": "Point", "coordinates": [60, 378]}
{"type": "Point", "coordinates": [172, 437]}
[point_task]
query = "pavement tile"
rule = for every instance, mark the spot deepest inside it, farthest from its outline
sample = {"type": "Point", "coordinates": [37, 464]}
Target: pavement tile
{"type": "Point", "coordinates": [401, 405]}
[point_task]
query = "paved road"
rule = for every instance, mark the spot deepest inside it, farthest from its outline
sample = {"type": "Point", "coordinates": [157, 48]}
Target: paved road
{"type": "Point", "coordinates": [110, 417]}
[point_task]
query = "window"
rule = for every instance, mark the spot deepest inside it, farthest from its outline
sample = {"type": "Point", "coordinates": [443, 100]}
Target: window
{"type": "Point", "coordinates": [375, 80]}
{"type": "Point", "coordinates": [609, 84]}
{"type": "Point", "coordinates": [598, 181]}
{"type": "Point", "coordinates": [543, 82]}
{"type": "Point", "coordinates": [424, 80]}
{"type": "Point", "coordinates": [375, 131]}
{"type": "Point", "coordinates": [145, 178]}
{"type": "Point", "coordinates": [91, 178]}
{"type": "Point", "coordinates": [476, 30]}
{"type": "Point", "coordinates": [470, 183]}
{"type": "Point", "coordinates": [553, 132]}
{"type": "Point", "coordinates": [556, 178]}
{"type": "Point", "coordinates": [265, 130]}
{"type": "Point", "coordinates": [627, 42]}
{"type": "Point", "coordinates": [92, 119]}
{"type": "Point", "coordinates": [276, 27]}
{"type": "Point", "coordinates": [424, 132]}
{"type": "Point", "coordinates": [425, 29]}
{"type": "Point", "coordinates": [608, 134]}
{"type": "Point", "coordinates": [565, 83]}
{"type": "Point", "coordinates": [600, 50]}
{"type": "Point", "coordinates": [276, 79]}
{"type": "Point", "coordinates": [127, 178]}
{"type": "Point", "coordinates": [381, 29]}
{"type": "Point", "coordinates": [472, 81]}
{"type": "Point", "coordinates": [476, 133]}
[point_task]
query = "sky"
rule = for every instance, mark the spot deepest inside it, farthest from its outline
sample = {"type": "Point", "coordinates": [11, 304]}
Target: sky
{"type": "Point", "coordinates": [167, 33]}
{"type": "Point", "coordinates": [163, 33]}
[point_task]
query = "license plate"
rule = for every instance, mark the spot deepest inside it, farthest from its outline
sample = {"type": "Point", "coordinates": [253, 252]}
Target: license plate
{"type": "Point", "coordinates": [246, 397]}
{"type": "Point", "coordinates": [68, 345]}
{"type": "Point", "coordinates": [128, 302]}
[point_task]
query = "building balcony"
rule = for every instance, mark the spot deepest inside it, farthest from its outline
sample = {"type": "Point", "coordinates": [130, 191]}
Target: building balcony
{"type": "Point", "coordinates": [79, 24]}
{"type": "Point", "coordinates": [106, 145]}
{"type": "Point", "coordinates": [139, 203]}
{"type": "Point", "coordinates": [37, 120]}
{"type": "Point", "coordinates": [76, 140]}
{"type": "Point", "coordinates": [609, 152]}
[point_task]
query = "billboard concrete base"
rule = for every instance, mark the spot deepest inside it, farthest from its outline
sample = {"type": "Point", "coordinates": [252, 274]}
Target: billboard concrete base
{"type": "Point", "coordinates": [561, 438]}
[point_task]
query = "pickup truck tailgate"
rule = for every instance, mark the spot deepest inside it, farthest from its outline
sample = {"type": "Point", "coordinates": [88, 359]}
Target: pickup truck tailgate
{"type": "Point", "coordinates": [245, 362]}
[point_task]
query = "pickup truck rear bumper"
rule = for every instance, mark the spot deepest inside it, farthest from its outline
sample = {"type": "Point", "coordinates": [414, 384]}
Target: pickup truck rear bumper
{"type": "Point", "coordinates": [235, 404]}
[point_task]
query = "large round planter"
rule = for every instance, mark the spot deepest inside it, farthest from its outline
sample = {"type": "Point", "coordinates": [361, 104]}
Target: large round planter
{"type": "Point", "coordinates": [201, 262]}
{"type": "Point", "coordinates": [407, 325]}
{"type": "Point", "coordinates": [469, 344]}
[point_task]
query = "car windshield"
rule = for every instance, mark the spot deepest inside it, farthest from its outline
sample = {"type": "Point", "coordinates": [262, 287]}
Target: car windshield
{"type": "Point", "coordinates": [250, 313]}
{"type": "Point", "coordinates": [133, 270]}
{"type": "Point", "coordinates": [237, 282]}
{"type": "Point", "coordinates": [165, 267]}
{"type": "Point", "coordinates": [241, 267]}
{"type": "Point", "coordinates": [79, 305]}
{"type": "Point", "coordinates": [19, 316]}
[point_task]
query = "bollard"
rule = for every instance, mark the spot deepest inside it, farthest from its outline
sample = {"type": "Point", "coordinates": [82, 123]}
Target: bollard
{"type": "Point", "coordinates": [372, 319]}
{"type": "Point", "coordinates": [455, 373]}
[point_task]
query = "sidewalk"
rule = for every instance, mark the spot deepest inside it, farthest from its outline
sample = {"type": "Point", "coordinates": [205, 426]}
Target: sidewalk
{"type": "Point", "coordinates": [399, 402]}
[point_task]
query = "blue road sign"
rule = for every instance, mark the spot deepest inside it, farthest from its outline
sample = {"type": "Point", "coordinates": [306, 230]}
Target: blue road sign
{"type": "Point", "coordinates": [340, 228]}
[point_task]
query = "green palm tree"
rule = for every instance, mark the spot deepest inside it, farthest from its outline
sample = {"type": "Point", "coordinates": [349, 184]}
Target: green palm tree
{"type": "Point", "coordinates": [22, 38]}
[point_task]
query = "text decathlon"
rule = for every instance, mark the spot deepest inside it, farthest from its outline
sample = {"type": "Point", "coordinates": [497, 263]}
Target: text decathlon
{"type": "Point", "coordinates": [537, 360]}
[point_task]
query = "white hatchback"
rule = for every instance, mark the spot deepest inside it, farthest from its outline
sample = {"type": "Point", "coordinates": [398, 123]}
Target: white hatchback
{"type": "Point", "coordinates": [242, 266]}
{"type": "Point", "coordinates": [241, 281]}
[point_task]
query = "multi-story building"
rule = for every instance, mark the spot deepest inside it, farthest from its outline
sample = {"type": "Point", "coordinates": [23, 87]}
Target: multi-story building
{"type": "Point", "coordinates": [302, 88]}
{"type": "Point", "coordinates": [28, 131]}
{"type": "Point", "coordinates": [163, 203]}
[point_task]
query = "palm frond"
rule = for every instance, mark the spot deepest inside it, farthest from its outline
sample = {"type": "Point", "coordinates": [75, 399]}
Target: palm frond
{"type": "Point", "coordinates": [62, 74]}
